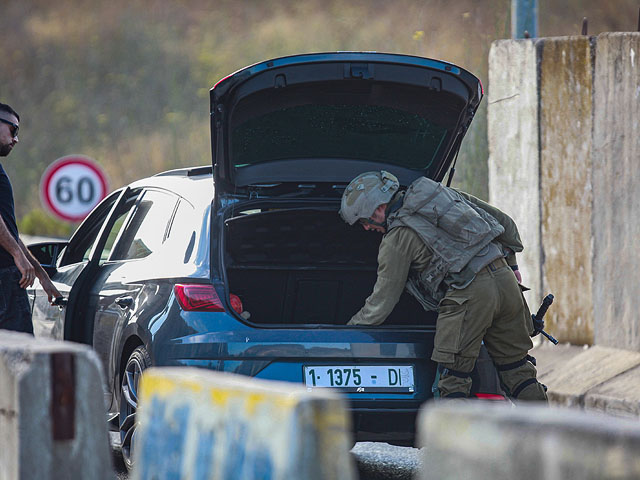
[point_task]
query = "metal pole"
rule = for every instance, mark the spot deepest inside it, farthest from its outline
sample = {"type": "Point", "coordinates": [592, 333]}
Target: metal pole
{"type": "Point", "coordinates": [524, 18]}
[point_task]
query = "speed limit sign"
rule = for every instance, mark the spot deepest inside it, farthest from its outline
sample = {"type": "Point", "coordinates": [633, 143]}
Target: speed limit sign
{"type": "Point", "coordinates": [72, 186]}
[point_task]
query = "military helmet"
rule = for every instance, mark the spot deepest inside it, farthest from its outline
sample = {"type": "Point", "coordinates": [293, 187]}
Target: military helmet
{"type": "Point", "coordinates": [365, 193]}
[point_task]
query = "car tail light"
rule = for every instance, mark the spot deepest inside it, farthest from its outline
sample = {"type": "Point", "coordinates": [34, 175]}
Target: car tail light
{"type": "Point", "coordinates": [489, 396]}
{"type": "Point", "coordinates": [236, 303]}
{"type": "Point", "coordinates": [203, 298]}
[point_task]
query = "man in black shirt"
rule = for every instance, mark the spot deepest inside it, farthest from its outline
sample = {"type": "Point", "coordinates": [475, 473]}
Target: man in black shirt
{"type": "Point", "coordinates": [18, 268]}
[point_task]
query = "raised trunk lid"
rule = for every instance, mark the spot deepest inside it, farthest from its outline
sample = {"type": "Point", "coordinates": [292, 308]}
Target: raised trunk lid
{"type": "Point", "coordinates": [328, 117]}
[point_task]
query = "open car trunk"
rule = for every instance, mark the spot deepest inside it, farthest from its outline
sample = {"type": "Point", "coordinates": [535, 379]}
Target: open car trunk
{"type": "Point", "coordinates": [306, 267]}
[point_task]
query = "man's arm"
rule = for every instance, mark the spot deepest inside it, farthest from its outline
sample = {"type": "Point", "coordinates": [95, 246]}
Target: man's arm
{"type": "Point", "coordinates": [394, 262]}
{"type": "Point", "coordinates": [15, 250]}
{"type": "Point", "coordinates": [42, 275]}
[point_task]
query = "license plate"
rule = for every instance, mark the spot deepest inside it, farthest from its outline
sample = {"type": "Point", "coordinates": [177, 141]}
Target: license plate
{"type": "Point", "coordinates": [360, 378]}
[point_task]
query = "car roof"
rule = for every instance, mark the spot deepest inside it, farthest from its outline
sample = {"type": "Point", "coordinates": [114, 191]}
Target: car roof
{"type": "Point", "coordinates": [193, 183]}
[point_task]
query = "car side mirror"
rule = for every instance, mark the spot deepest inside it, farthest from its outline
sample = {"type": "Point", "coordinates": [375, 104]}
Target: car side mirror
{"type": "Point", "coordinates": [47, 254]}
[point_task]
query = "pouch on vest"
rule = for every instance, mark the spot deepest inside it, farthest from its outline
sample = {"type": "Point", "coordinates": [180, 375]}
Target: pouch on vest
{"type": "Point", "coordinates": [419, 291]}
{"type": "Point", "coordinates": [446, 209]}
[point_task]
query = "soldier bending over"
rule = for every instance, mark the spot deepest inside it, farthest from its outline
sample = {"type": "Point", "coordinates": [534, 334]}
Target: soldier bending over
{"type": "Point", "coordinates": [455, 254]}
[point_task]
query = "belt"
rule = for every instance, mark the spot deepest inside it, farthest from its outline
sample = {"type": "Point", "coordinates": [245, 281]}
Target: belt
{"type": "Point", "coordinates": [496, 264]}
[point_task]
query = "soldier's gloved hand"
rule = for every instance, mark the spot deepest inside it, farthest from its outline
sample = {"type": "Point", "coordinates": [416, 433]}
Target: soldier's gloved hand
{"type": "Point", "coordinates": [538, 325]}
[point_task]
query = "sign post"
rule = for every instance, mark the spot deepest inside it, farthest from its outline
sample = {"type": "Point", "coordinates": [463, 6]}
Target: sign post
{"type": "Point", "coordinates": [524, 18]}
{"type": "Point", "coordinates": [72, 186]}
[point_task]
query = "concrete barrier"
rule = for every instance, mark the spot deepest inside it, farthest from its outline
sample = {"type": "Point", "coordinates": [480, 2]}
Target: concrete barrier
{"type": "Point", "coordinates": [619, 396]}
{"type": "Point", "coordinates": [616, 190]}
{"type": "Point", "coordinates": [563, 142]}
{"type": "Point", "coordinates": [566, 66]}
{"type": "Point", "coordinates": [570, 384]}
{"type": "Point", "coordinates": [486, 441]}
{"type": "Point", "coordinates": [52, 413]}
{"type": "Point", "coordinates": [514, 167]}
{"type": "Point", "coordinates": [540, 122]}
{"type": "Point", "coordinates": [202, 424]}
{"type": "Point", "coordinates": [597, 379]}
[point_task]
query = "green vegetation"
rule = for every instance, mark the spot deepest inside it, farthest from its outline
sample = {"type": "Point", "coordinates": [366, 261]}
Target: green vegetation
{"type": "Point", "coordinates": [39, 222]}
{"type": "Point", "coordinates": [126, 81]}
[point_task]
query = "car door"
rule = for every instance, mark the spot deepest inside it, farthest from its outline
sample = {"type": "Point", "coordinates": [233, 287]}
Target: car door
{"type": "Point", "coordinates": [44, 317]}
{"type": "Point", "coordinates": [122, 274]}
{"type": "Point", "coordinates": [89, 239]}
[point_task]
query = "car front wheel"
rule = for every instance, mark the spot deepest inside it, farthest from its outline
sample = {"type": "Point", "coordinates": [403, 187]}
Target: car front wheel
{"type": "Point", "coordinates": [137, 363]}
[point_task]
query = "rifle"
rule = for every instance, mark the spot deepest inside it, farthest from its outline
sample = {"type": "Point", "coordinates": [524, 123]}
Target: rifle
{"type": "Point", "coordinates": [538, 319]}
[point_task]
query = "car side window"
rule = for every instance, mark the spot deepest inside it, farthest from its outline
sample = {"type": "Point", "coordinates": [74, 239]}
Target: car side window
{"type": "Point", "coordinates": [182, 231]}
{"type": "Point", "coordinates": [113, 233]}
{"type": "Point", "coordinates": [145, 229]}
{"type": "Point", "coordinates": [86, 236]}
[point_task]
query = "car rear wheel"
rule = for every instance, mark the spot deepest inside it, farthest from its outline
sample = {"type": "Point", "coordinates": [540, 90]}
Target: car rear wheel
{"type": "Point", "coordinates": [137, 363]}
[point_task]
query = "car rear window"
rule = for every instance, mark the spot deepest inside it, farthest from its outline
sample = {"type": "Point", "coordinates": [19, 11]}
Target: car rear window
{"type": "Point", "coordinates": [401, 125]}
{"type": "Point", "coordinates": [362, 132]}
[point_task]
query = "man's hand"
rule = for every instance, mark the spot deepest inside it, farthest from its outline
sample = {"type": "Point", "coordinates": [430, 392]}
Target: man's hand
{"type": "Point", "coordinates": [26, 269]}
{"type": "Point", "coordinates": [36, 270]}
{"type": "Point", "coordinates": [518, 275]}
{"type": "Point", "coordinates": [50, 288]}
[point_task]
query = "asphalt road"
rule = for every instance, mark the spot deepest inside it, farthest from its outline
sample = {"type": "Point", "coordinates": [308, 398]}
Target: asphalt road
{"type": "Point", "coordinates": [381, 461]}
{"type": "Point", "coordinates": [375, 461]}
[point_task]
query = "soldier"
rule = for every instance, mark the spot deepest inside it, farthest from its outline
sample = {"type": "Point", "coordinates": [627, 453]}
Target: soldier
{"type": "Point", "coordinates": [455, 254]}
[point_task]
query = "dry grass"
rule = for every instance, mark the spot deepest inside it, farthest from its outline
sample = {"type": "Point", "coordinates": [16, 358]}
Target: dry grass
{"type": "Point", "coordinates": [126, 81]}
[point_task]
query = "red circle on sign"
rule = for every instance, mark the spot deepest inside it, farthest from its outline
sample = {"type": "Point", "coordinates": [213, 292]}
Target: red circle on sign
{"type": "Point", "coordinates": [70, 163]}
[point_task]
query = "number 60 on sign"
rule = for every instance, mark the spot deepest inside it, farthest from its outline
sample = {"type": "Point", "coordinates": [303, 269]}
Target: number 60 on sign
{"type": "Point", "coordinates": [72, 186]}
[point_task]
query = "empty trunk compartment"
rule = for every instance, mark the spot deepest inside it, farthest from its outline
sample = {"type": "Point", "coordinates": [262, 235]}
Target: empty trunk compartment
{"type": "Point", "coordinates": [302, 266]}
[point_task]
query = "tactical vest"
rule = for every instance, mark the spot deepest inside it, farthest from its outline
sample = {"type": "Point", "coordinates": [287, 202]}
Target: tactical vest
{"type": "Point", "coordinates": [456, 230]}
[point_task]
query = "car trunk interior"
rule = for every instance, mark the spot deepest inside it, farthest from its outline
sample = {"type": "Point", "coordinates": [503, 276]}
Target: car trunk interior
{"type": "Point", "coordinates": [306, 267]}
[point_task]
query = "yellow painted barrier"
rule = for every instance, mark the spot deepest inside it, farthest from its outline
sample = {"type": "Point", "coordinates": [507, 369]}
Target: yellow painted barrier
{"type": "Point", "coordinates": [200, 424]}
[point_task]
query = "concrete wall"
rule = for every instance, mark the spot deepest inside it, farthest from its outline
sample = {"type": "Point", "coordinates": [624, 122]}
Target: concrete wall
{"type": "Point", "coordinates": [566, 66]}
{"type": "Point", "coordinates": [616, 191]}
{"type": "Point", "coordinates": [514, 167]}
{"type": "Point", "coordinates": [486, 441]}
{"type": "Point", "coordinates": [52, 412]}
{"type": "Point", "coordinates": [579, 204]}
{"type": "Point", "coordinates": [203, 424]}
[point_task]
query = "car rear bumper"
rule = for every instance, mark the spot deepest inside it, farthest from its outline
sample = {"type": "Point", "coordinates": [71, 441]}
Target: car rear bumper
{"type": "Point", "coordinates": [391, 425]}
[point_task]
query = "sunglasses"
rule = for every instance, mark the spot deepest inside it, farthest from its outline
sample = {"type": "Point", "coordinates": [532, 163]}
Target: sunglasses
{"type": "Point", "coordinates": [14, 127]}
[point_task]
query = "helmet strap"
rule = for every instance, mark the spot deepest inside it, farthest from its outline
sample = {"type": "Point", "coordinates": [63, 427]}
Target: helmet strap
{"type": "Point", "coordinates": [394, 205]}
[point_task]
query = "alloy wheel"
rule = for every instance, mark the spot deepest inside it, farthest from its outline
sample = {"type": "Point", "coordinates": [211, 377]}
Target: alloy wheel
{"type": "Point", "coordinates": [137, 363]}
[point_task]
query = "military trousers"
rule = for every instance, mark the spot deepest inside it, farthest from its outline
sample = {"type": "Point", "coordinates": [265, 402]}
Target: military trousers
{"type": "Point", "coordinates": [490, 309]}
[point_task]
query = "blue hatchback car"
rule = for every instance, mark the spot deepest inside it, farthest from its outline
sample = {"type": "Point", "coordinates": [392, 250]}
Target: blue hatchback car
{"type": "Point", "coordinates": [245, 266]}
